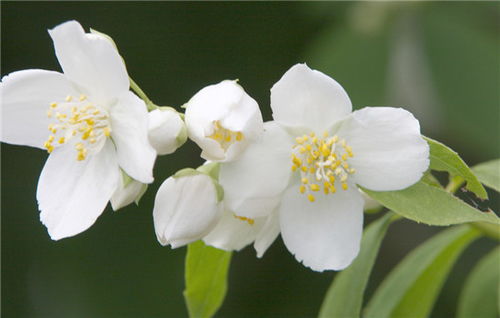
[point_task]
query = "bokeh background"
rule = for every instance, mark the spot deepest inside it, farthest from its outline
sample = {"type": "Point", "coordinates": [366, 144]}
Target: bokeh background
{"type": "Point", "coordinates": [439, 60]}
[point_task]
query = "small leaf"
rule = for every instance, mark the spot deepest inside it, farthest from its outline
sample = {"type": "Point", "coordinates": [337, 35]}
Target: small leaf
{"type": "Point", "coordinates": [411, 289]}
{"type": "Point", "coordinates": [345, 295]}
{"type": "Point", "coordinates": [489, 173]}
{"type": "Point", "coordinates": [480, 295]}
{"type": "Point", "coordinates": [445, 159]}
{"type": "Point", "coordinates": [206, 279]}
{"type": "Point", "coordinates": [431, 205]}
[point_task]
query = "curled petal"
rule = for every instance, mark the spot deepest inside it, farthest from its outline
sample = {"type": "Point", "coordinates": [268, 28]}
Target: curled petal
{"type": "Point", "coordinates": [253, 184]}
{"type": "Point", "coordinates": [129, 131]}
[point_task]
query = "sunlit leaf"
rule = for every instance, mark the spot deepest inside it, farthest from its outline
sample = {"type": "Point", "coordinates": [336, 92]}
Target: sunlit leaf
{"type": "Point", "coordinates": [412, 287]}
{"type": "Point", "coordinates": [445, 159]}
{"type": "Point", "coordinates": [480, 295]}
{"type": "Point", "coordinates": [431, 205]}
{"type": "Point", "coordinates": [489, 173]}
{"type": "Point", "coordinates": [206, 279]}
{"type": "Point", "coordinates": [345, 295]}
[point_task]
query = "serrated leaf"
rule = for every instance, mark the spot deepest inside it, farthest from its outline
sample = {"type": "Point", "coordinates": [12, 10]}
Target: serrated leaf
{"type": "Point", "coordinates": [206, 279]}
{"type": "Point", "coordinates": [431, 205]}
{"type": "Point", "coordinates": [412, 287]}
{"type": "Point", "coordinates": [489, 173]}
{"type": "Point", "coordinates": [345, 295]}
{"type": "Point", "coordinates": [444, 159]}
{"type": "Point", "coordinates": [480, 296]}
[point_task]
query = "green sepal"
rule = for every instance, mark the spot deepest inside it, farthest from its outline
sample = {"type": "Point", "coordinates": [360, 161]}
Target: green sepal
{"type": "Point", "coordinates": [104, 35]}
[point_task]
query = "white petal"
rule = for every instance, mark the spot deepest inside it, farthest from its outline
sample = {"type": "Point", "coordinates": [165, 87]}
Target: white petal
{"type": "Point", "coordinates": [325, 234]}
{"type": "Point", "coordinates": [129, 131]}
{"type": "Point", "coordinates": [126, 194]}
{"type": "Point", "coordinates": [308, 98]}
{"type": "Point", "coordinates": [389, 152]}
{"type": "Point", "coordinates": [71, 194]}
{"type": "Point", "coordinates": [165, 129]}
{"type": "Point", "coordinates": [267, 234]}
{"type": "Point", "coordinates": [229, 105]}
{"type": "Point", "coordinates": [232, 233]}
{"type": "Point", "coordinates": [25, 98]}
{"type": "Point", "coordinates": [253, 184]}
{"type": "Point", "coordinates": [185, 209]}
{"type": "Point", "coordinates": [91, 61]}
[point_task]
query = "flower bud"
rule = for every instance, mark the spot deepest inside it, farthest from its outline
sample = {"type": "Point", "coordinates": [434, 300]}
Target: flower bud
{"type": "Point", "coordinates": [187, 207]}
{"type": "Point", "coordinates": [166, 131]}
{"type": "Point", "coordinates": [223, 119]}
{"type": "Point", "coordinates": [128, 191]}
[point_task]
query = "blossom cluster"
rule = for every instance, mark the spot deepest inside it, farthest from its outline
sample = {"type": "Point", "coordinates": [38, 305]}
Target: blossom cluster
{"type": "Point", "coordinates": [299, 175]}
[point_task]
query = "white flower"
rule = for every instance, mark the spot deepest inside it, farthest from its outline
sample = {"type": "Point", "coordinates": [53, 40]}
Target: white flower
{"type": "Point", "coordinates": [89, 122]}
{"type": "Point", "coordinates": [167, 130]}
{"type": "Point", "coordinates": [222, 119]}
{"type": "Point", "coordinates": [310, 159]}
{"type": "Point", "coordinates": [187, 207]}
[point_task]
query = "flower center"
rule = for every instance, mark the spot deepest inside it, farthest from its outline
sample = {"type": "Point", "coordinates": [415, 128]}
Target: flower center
{"type": "Point", "coordinates": [321, 161]}
{"type": "Point", "coordinates": [78, 120]}
{"type": "Point", "coordinates": [245, 219]}
{"type": "Point", "coordinates": [225, 137]}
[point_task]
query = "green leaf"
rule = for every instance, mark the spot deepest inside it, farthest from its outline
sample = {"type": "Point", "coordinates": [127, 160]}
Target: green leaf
{"type": "Point", "coordinates": [411, 289]}
{"type": "Point", "coordinates": [431, 205]}
{"type": "Point", "coordinates": [489, 173]}
{"type": "Point", "coordinates": [480, 296]}
{"type": "Point", "coordinates": [445, 159]}
{"type": "Point", "coordinates": [345, 295]}
{"type": "Point", "coordinates": [206, 279]}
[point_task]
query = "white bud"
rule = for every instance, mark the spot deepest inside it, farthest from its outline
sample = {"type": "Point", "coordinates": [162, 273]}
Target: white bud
{"type": "Point", "coordinates": [223, 119]}
{"type": "Point", "coordinates": [166, 131]}
{"type": "Point", "coordinates": [128, 191]}
{"type": "Point", "coordinates": [187, 207]}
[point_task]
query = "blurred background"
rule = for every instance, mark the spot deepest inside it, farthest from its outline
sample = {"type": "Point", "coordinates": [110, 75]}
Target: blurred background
{"type": "Point", "coordinates": [438, 60]}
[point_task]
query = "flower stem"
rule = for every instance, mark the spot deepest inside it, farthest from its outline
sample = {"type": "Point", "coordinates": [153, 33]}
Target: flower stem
{"type": "Point", "coordinates": [455, 184]}
{"type": "Point", "coordinates": [149, 104]}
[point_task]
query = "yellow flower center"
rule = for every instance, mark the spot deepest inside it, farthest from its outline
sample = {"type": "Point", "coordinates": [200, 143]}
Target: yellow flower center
{"type": "Point", "coordinates": [321, 161]}
{"type": "Point", "coordinates": [80, 120]}
{"type": "Point", "coordinates": [225, 137]}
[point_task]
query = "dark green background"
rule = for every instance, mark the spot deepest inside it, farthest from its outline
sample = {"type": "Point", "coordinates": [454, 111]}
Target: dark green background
{"type": "Point", "coordinates": [448, 77]}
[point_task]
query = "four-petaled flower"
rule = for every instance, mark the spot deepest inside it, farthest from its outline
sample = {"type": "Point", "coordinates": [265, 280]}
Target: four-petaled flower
{"type": "Point", "coordinates": [89, 122]}
{"type": "Point", "coordinates": [310, 159]}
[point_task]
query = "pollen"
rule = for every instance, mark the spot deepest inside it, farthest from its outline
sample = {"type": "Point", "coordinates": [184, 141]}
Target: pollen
{"type": "Point", "coordinates": [225, 137]}
{"type": "Point", "coordinates": [80, 119]}
{"type": "Point", "coordinates": [242, 218]}
{"type": "Point", "coordinates": [321, 160]}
